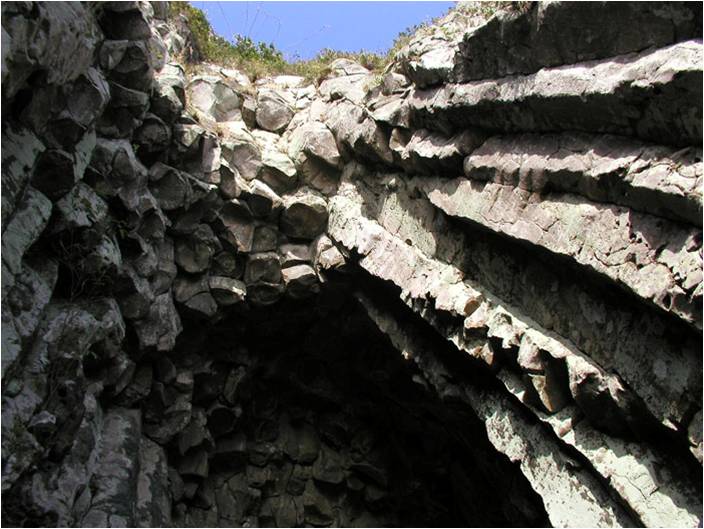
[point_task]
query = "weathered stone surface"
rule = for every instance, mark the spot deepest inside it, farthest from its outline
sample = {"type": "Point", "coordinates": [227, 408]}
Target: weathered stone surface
{"type": "Point", "coordinates": [125, 112]}
{"type": "Point", "coordinates": [300, 280]}
{"type": "Point", "coordinates": [262, 200]}
{"type": "Point", "coordinates": [168, 92]}
{"type": "Point", "coordinates": [649, 256]}
{"type": "Point", "coordinates": [153, 501]}
{"type": "Point", "coordinates": [351, 87]}
{"type": "Point", "coordinates": [283, 291]}
{"type": "Point", "coordinates": [242, 153]}
{"type": "Point", "coordinates": [360, 133]}
{"type": "Point", "coordinates": [609, 169]}
{"type": "Point", "coordinates": [154, 135]}
{"type": "Point", "coordinates": [25, 227]}
{"type": "Point", "coordinates": [264, 267]}
{"type": "Point", "coordinates": [227, 290]}
{"type": "Point", "coordinates": [194, 252]}
{"type": "Point", "coordinates": [236, 218]}
{"type": "Point", "coordinates": [274, 110]}
{"type": "Point", "coordinates": [313, 139]}
{"type": "Point", "coordinates": [666, 83]}
{"type": "Point", "coordinates": [278, 171]}
{"type": "Point", "coordinates": [169, 187]}
{"type": "Point", "coordinates": [215, 98]}
{"type": "Point", "coordinates": [80, 208]}
{"type": "Point", "coordinates": [694, 434]}
{"type": "Point", "coordinates": [304, 216]}
{"type": "Point", "coordinates": [161, 326]}
{"type": "Point", "coordinates": [431, 153]}
{"type": "Point", "coordinates": [550, 35]}
{"type": "Point", "coordinates": [194, 293]}
{"type": "Point", "coordinates": [114, 493]}
{"type": "Point", "coordinates": [60, 39]}
{"type": "Point", "coordinates": [19, 154]}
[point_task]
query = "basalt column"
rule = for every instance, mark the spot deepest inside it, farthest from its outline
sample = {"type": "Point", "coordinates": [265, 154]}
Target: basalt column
{"type": "Point", "coordinates": [465, 290]}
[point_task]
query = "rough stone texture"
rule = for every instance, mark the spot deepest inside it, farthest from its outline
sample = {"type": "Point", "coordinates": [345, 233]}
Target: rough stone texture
{"type": "Point", "coordinates": [465, 291]}
{"type": "Point", "coordinates": [601, 97]}
{"type": "Point", "coordinates": [612, 169]}
{"type": "Point", "coordinates": [650, 256]}
{"type": "Point", "coordinates": [550, 35]}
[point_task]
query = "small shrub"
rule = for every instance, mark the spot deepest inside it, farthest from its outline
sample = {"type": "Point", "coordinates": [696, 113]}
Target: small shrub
{"type": "Point", "coordinates": [259, 59]}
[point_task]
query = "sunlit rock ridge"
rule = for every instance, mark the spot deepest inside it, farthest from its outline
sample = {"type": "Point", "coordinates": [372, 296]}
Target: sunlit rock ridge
{"type": "Point", "coordinates": [465, 291]}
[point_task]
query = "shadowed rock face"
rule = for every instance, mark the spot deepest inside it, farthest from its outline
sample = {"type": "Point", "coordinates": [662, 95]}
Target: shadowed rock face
{"type": "Point", "coordinates": [464, 292]}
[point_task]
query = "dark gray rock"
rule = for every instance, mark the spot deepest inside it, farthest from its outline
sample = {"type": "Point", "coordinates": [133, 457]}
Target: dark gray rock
{"type": "Point", "coordinates": [194, 251]}
{"type": "Point", "coordinates": [60, 39]}
{"type": "Point", "coordinates": [563, 33]}
{"type": "Point", "coordinates": [304, 216]}
{"type": "Point", "coordinates": [264, 267]}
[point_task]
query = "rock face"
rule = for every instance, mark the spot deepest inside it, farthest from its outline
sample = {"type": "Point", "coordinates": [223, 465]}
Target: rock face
{"type": "Point", "coordinates": [467, 291]}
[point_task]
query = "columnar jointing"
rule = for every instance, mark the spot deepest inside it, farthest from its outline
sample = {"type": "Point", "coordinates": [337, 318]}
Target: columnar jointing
{"type": "Point", "coordinates": [465, 291]}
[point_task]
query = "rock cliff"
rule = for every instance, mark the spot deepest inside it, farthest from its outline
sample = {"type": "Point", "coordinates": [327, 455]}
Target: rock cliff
{"type": "Point", "coordinates": [465, 291]}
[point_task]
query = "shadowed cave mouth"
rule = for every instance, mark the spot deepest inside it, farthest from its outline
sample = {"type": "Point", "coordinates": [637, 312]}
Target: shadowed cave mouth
{"type": "Point", "coordinates": [304, 414]}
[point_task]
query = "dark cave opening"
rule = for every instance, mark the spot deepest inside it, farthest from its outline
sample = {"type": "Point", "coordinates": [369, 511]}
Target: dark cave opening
{"type": "Point", "coordinates": [304, 414]}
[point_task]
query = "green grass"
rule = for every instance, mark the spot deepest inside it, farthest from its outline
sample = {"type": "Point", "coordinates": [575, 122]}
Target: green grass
{"type": "Point", "coordinates": [258, 59]}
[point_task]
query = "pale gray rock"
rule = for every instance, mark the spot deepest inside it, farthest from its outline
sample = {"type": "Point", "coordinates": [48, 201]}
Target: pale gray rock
{"type": "Point", "coordinates": [668, 79]}
{"type": "Point", "coordinates": [351, 126]}
{"type": "Point", "coordinates": [168, 93]}
{"type": "Point", "coordinates": [293, 254]}
{"type": "Point", "coordinates": [242, 153]}
{"type": "Point", "coordinates": [606, 242]}
{"type": "Point", "coordinates": [428, 152]}
{"type": "Point", "coordinates": [327, 255]}
{"type": "Point", "coordinates": [278, 171]}
{"type": "Point", "coordinates": [274, 110]}
{"type": "Point", "coordinates": [313, 139]}
{"type": "Point", "coordinates": [214, 97]}
{"type": "Point", "coordinates": [114, 491]}
{"type": "Point", "coordinates": [343, 66]}
{"type": "Point", "coordinates": [80, 208]}
{"type": "Point", "coordinates": [605, 168]}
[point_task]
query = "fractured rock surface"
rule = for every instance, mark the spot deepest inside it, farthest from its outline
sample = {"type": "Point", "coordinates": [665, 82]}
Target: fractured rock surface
{"type": "Point", "coordinates": [465, 291]}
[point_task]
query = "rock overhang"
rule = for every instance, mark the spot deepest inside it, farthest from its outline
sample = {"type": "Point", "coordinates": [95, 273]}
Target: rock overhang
{"type": "Point", "coordinates": [564, 266]}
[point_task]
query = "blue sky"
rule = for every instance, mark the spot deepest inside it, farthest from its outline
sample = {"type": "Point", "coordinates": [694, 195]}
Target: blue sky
{"type": "Point", "coordinates": [304, 28]}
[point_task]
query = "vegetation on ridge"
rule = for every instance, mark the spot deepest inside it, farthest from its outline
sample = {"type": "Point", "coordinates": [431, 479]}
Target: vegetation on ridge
{"type": "Point", "coordinates": [258, 59]}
